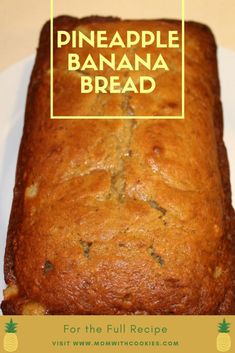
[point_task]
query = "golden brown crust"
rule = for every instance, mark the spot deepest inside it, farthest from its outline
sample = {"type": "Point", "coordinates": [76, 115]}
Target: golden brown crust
{"type": "Point", "coordinates": [122, 217]}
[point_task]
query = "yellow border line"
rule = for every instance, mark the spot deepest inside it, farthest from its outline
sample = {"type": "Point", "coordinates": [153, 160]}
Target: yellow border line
{"type": "Point", "coordinates": [136, 117]}
{"type": "Point", "coordinates": [183, 57]}
{"type": "Point", "coordinates": [51, 58]}
{"type": "Point", "coordinates": [62, 117]}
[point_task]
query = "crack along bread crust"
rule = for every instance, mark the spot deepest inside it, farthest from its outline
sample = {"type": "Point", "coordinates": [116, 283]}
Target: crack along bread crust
{"type": "Point", "coordinates": [122, 216]}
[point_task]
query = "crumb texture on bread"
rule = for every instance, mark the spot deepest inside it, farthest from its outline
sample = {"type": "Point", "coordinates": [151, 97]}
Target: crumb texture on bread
{"type": "Point", "coordinates": [122, 216]}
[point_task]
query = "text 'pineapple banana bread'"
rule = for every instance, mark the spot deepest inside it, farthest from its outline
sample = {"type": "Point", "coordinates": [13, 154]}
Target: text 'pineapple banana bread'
{"type": "Point", "coordinates": [122, 216]}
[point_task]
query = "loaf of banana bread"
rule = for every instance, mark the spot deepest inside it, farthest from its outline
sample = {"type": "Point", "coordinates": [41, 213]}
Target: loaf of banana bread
{"type": "Point", "coordinates": [124, 216]}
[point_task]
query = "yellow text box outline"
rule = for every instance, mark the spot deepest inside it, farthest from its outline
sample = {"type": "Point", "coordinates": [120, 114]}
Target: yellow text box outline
{"type": "Point", "coordinates": [61, 117]}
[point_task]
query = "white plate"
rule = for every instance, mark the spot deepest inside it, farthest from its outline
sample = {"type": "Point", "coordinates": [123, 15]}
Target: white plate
{"type": "Point", "coordinates": [13, 89]}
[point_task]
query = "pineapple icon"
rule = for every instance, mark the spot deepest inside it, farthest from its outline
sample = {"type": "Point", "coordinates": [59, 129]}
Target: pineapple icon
{"type": "Point", "coordinates": [223, 341]}
{"type": "Point", "coordinates": [10, 342]}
